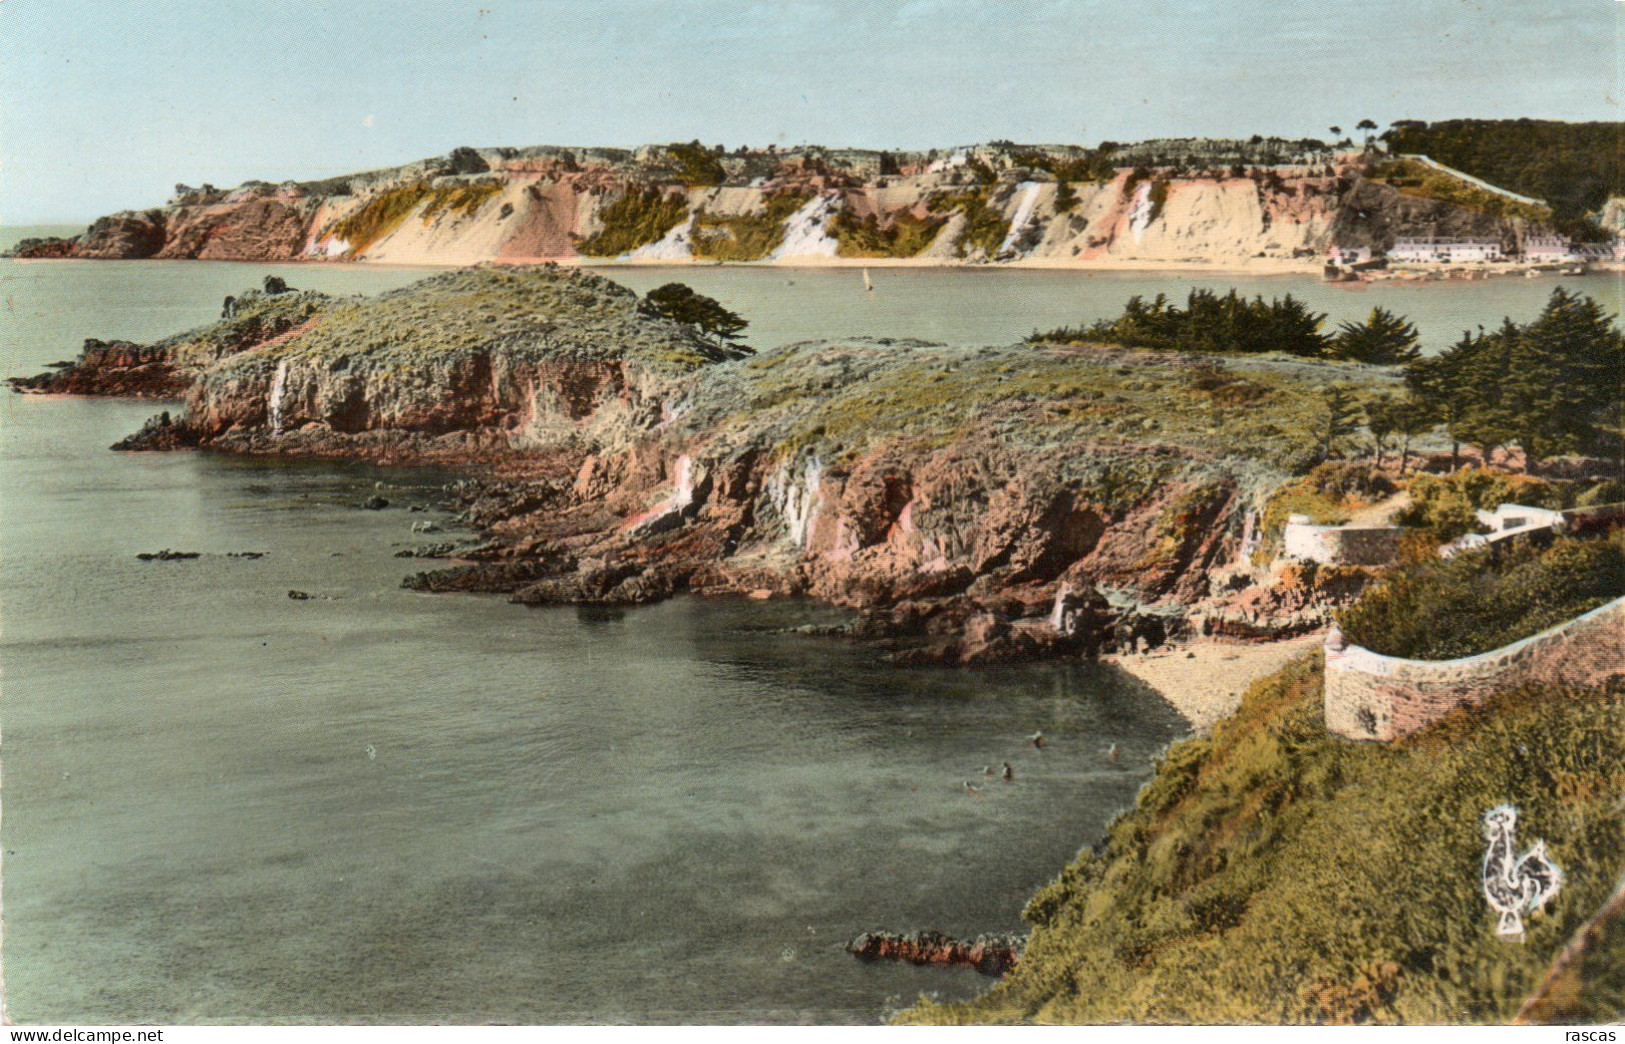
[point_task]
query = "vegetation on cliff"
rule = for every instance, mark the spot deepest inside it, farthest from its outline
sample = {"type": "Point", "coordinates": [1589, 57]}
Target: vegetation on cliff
{"type": "Point", "coordinates": [985, 228]}
{"type": "Point", "coordinates": [1573, 166]}
{"type": "Point", "coordinates": [748, 237]}
{"type": "Point", "coordinates": [900, 235]}
{"type": "Point", "coordinates": [1414, 178]}
{"type": "Point", "coordinates": [379, 216]}
{"type": "Point", "coordinates": [1474, 602]}
{"type": "Point", "coordinates": [638, 218]}
{"type": "Point", "coordinates": [1272, 873]}
{"type": "Point", "coordinates": [1327, 496]}
{"type": "Point", "coordinates": [389, 209]}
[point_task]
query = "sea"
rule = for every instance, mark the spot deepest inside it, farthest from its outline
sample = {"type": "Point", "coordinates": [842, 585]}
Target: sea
{"type": "Point", "coordinates": [368, 805]}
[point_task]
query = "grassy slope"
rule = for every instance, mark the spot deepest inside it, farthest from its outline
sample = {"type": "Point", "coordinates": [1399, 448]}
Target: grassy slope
{"type": "Point", "coordinates": [258, 317]}
{"type": "Point", "coordinates": [1271, 873]}
{"type": "Point", "coordinates": [1412, 178]}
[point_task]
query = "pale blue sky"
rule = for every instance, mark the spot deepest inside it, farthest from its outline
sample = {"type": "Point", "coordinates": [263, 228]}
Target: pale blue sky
{"type": "Point", "coordinates": [106, 104]}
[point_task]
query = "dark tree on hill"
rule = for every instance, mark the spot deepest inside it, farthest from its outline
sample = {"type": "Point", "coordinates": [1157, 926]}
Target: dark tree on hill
{"type": "Point", "coordinates": [1065, 198]}
{"type": "Point", "coordinates": [681, 304]}
{"type": "Point", "coordinates": [696, 164]}
{"type": "Point", "coordinates": [465, 160]}
{"type": "Point", "coordinates": [1384, 339]}
{"type": "Point", "coordinates": [1380, 420]}
{"type": "Point", "coordinates": [1342, 417]}
{"type": "Point", "coordinates": [1366, 127]}
{"type": "Point", "coordinates": [1411, 417]}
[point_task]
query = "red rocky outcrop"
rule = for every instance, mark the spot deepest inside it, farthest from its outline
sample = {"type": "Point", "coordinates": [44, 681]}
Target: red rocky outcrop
{"type": "Point", "coordinates": [988, 954]}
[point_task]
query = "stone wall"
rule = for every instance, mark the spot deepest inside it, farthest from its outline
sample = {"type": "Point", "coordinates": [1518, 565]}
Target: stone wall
{"type": "Point", "coordinates": [1340, 545]}
{"type": "Point", "coordinates": [1374, 697]}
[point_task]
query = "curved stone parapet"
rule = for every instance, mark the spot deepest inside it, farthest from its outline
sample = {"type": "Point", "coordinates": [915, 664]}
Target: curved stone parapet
{"type": "Point", "coordinates": [1370, 696]}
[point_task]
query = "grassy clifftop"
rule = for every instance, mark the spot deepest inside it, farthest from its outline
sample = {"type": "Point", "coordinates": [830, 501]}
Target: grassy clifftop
{"type": "Point", "coordinates": [1272, 873]}
{"type": "Point", "coordinates": [835, 399]}
{"type": "Point", "coordinates": [531, 312]}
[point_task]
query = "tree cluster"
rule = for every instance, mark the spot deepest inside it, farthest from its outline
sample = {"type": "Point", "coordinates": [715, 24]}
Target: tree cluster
{"type": "Point", "coordinates": [1574, 167]}
{"type": "Point", "coordinates": [1553, 385]}
{"type": "Point", "coordinates": [1209, 322]}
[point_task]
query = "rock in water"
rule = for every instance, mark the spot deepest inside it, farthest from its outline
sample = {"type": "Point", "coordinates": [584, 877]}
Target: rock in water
{"type": "Point", "coordinates": [375, 503]}
{"type": "Point", "coordinates": [988, 954]}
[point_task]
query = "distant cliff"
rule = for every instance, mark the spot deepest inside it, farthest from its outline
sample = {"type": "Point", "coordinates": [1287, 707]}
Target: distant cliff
{"type": "Point", "coordinates": [1149, 204]}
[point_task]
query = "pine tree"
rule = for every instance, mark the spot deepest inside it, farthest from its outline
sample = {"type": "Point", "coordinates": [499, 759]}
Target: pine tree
{"type": "Point", "coordinates": [1384, 339]}
{"type": "Point", "coordinates": [1342, 417]}
{"type": "Point", "coordinates": [1380, 420]}
{"type": "Point", "coordinates": [1412, 417]}
{"type": "Point", "coordinates": [679, 303]}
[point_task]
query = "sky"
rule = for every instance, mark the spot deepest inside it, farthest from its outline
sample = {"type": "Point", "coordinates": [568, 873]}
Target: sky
{"type": "Point", "coordinates": [108, 104]}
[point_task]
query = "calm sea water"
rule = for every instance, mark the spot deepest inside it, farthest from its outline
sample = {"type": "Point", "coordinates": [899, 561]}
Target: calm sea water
{"type": "Point", "coordinates": [222, 804]}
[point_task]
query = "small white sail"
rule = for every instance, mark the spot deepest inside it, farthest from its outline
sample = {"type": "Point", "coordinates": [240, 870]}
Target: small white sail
{"type": "Point", "coordinates": [867, 284]}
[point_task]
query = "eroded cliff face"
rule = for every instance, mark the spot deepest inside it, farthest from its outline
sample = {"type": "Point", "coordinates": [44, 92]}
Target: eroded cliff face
{"type": "Point", "coordinates": [992, 204]}
{"type": "Point", "coordinates": [974, 505]}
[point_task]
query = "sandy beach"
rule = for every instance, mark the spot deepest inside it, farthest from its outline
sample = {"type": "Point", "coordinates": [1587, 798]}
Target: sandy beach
{"type": "Point", "coordinates": [1204, 681]}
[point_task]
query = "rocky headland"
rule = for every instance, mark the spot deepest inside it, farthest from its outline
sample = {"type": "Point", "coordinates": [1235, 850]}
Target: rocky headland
{"type": "Point", "coordinates": [1267, 202]}
{"type": "Point", "coordinates": [974, 505]}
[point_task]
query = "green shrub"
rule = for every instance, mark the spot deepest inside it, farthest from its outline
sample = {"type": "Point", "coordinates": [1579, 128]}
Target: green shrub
{"type": "Point", "coordinates": [1475, 602]}
{"type": "Point", "coordinates": [1444, 505]}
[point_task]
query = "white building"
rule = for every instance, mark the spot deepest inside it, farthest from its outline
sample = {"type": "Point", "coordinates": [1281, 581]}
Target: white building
{"type": "Point", "coordinates": [1445, 249]}
{"type": "Point", "coordinates": [1547, 248]}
